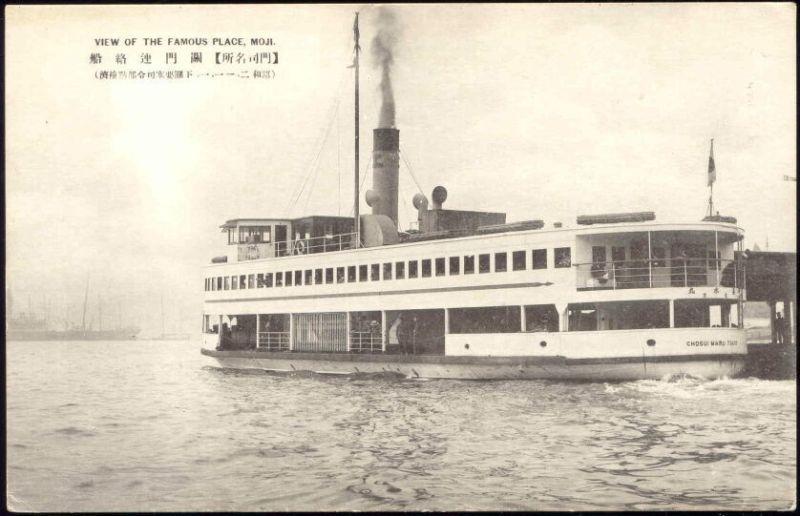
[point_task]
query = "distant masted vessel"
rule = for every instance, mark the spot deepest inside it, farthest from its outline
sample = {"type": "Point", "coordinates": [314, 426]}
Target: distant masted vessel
{"type": "Point", "coordinates": [466, 295]}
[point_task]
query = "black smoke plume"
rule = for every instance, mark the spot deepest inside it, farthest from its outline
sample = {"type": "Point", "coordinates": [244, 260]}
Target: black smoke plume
{"type": "Point", "coordinates": [387, 33]}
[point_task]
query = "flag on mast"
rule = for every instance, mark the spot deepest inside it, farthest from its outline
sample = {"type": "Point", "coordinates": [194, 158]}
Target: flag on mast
{"type": "Point", "coordinates": [712, 171]}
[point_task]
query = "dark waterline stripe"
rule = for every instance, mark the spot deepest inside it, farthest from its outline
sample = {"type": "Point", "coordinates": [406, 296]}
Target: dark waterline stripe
{"type": "Point", "coordinates": [441, 359]}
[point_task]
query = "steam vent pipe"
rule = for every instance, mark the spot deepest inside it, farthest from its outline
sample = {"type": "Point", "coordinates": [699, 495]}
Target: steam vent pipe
{"type": "Point", "coordinates": [385, 171]}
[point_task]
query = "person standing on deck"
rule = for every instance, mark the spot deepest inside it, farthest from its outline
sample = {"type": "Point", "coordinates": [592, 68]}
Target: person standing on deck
{"type": "Point", "coordinates": [780, 328]}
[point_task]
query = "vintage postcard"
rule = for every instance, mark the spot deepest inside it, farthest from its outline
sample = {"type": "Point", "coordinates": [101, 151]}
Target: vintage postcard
{"type": "Point", "coordinates": [415, 257]}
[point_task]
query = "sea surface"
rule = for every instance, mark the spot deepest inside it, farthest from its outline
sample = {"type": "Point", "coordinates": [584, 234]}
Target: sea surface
{"type": "Point", "coordinates": [153, 426]}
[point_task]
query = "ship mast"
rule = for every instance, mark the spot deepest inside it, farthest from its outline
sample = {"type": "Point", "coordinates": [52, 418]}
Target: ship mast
{"type": "Point", "coordinates": [85, 301]}
{"type": "Point", "coordinates": [356, 220]}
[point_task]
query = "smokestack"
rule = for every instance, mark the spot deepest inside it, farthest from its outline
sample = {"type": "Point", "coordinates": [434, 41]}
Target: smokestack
{"type": "Point", "coordinates": [385, 171]}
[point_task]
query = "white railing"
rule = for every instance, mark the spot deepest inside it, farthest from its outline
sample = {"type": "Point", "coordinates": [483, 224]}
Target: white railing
{"type": "Point", "coordinates": [694, 272]}
{"type": "Point", "coordinates": [365, 342]}
{"type": "Point", "coordinates": [324, 244]}
{"type": "Point", "coordinates": [273, 340]}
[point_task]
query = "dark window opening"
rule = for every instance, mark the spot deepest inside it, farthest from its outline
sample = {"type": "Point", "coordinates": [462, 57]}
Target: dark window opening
{"type": "Point", "coordinates": [483, 263]}
{"type": "Point", "coordinates": [375, 272]}
{"type": "Point", "coordinates": [329, 275]}
{"type": "Point", "coordinates": [540, 318]}
{"type": "Point", "coordinates": [340, 277]}
{"type": "Point", "coordinates": [243, 281]}
{"type": "Point", "coordinates": [298, 278]}
{"type": "Point", "coordinates": [362, 273]}
{"type": "Point", "coordinates": [618, 315]}
{"type": "Point", "coordinates": [469, 265]}
{"type": "Point", "coordinates": [251, 281]}
{"type": "Point", "coordinates": [539, 259]}
{"type": "Point", "coordinates": [518, 261]}
{"type": "Point", "coordinates": [439, 266]}
{"type": "Point", "coordinates": [562, 257]}
{"type": "Point", "coordinates": [412, 269]}
{"type": "Point", "coordinates": [307, 276]}
{"type": "Point", "coordinates": [278, 279]}
{"type": "Point", "coordinates": [455, 262]}
{"type": "Point", "coordinates": [500, 262]}
{"type": "Point", "coordinates": [317, 276]}
{"type": "Point", "coordinates": [260, 280]}
{"type": "Point", "coordinates": [234, 283]}
{"type": "Point", "coordinates": [400, 270]}
{"type": "Point", "coordinates": [387, 271]}
{"type": "Point", "coordinates": [700, 313]}
{"type": "Point", "coordinates": [490, 319]}
{"type": "Point", "coordinates": [426, 268]}
{"type": "Point", "coordinates": [268, 280]}
{"type": "Point", "coordinates": [351, 274]}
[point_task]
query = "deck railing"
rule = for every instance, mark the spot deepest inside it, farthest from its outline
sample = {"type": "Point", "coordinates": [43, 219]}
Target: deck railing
{"type": "Point", "coordinates": [273, 340]}
{"type": "Point", "coordinates": [323, 244]}
{"type": "Point", "coordinates": [691, 272]}
{"type": "Point", "coordinates": [365, 342]}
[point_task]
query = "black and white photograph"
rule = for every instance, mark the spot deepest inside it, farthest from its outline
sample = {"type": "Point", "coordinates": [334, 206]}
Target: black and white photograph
{"type": "Point", "coordinates": [400, 257]}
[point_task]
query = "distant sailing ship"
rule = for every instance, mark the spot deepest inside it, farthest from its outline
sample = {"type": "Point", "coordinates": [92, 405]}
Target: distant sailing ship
{"type": "Point", "coordinates": [29, 327]}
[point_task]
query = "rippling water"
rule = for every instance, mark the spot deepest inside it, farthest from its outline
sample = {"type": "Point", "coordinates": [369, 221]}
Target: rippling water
{"type": "Point", "coordinates": [137, 426]}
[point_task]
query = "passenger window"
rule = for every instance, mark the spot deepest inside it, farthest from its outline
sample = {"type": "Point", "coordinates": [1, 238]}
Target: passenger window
{"type": "Point", "coordinates": [455, 262]}
{"type": "Point", "coordinates": [412, 269]}
{"type": "Point", "coordinates": [251, 281]}
{"type": "Point", "coordinates": [362, 273]}
{"type": "Point", "coordinates": [469, 264]}
{"type": "Point", "coordinates": [500, 262]}
{"type": "Point", "coordinates": [351, 274]}
{"type": "Point", "coordinates": [242, 281]}
{"type": "Point", "coordinates": [518, 261]}
{"type": "Point", "coordinates": [387, 271]}
{"type": "Point", "coordinates": [308, 277]}
{"type": "Point", "coordinates": [541, 318]}
{"type": "Point", "coordinates": [562, 257]}
{"type": "Point", "coordinates": [268, 280]}
{"type": "Point", "coordinates": [278, 279]}
{"type": "Point", "coordinates": [426, 268]}
{"type": "Point", "coordinates": [340, 277]}
{"type": "Point", "coordinates": [288, 278]}
{"type": "Point", "coordinates": [260, 279]}
{"type": "Point", "coordinates": [234, 282]}
{"type": "Point", "coordinates": [400, 270]}
{"type": "Point", "coordinates": [317, 276]}
{"type": "Point", "coordinates": [227, 283]}
{"type": "Point", "coordinates": [329, 275]}
{"type": "Point", "coordinates": [539, 259]}
{"type": "Point", "coordinates": [298, 278]}
{"type": "Point", "coordinates": [483, 263]}
{"type": "Point", "coordinates": [439, 266]}
{"type": "Point", "coordinates": [375, 272]}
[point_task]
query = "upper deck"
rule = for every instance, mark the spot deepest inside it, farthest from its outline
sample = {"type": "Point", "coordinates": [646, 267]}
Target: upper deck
{"type": "Point", "coordinates": [633, 260]}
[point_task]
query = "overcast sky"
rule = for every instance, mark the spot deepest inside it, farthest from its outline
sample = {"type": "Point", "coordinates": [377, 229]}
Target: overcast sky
{"type": "Point", "coordinates": [541, 111]}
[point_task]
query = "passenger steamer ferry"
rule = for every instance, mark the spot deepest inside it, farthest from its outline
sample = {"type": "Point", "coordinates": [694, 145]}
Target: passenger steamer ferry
{"type": "Point", "coordinates": [467, 295]}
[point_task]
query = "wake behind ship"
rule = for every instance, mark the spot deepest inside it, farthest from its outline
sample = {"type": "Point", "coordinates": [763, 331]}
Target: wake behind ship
{"type": "Point", "coordinates": [469, 295]}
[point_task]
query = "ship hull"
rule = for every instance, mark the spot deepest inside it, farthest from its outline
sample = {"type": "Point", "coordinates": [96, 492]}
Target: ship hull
{"type": "Point", "coordinates": [710, 366]}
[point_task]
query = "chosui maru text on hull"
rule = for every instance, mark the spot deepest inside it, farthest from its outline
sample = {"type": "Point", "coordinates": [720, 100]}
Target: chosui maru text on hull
{"type": "Point", "coordinates": [469, 295]}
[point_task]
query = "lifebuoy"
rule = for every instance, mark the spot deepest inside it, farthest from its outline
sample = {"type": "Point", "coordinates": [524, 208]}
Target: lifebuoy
{"type": "Point", "coordinates": [299, 247]}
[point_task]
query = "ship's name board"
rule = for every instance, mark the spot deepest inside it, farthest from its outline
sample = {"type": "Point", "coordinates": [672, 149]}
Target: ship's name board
{"type": "Point", "coordinates": [711, 343]}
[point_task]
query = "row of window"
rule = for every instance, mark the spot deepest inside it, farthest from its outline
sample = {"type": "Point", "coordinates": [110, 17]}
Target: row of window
{"type": "Point", "coordinates": [425, 268]}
